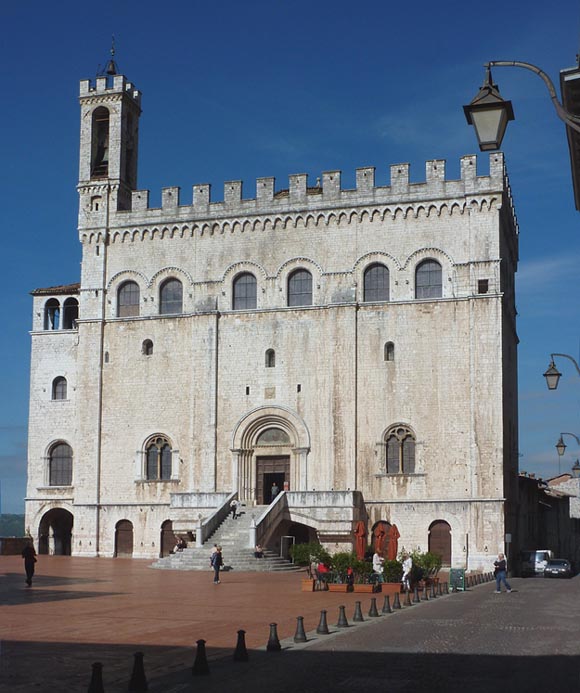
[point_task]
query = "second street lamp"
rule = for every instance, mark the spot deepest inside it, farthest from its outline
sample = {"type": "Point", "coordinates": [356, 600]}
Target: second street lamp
{"type": "Point", "coordinates": [553, 375]}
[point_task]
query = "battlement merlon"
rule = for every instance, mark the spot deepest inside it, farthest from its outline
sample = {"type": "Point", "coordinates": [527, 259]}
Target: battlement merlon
{"type": "Point", "coordinates": [116, 84]}
{"type": "Point", "coordinates": [327, 194]}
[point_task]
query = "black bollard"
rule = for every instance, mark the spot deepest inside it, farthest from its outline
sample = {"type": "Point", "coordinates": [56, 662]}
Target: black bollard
{"type": "Point", "coordinates": [387, 605]}
{"type": "Point", "coordinates": [439, 589]}
{"type": "Point", "coordinates": [416, 599]}
{"type": "Point", "coordinates": [445, 588]}
{"type": "Point", "coordinates": [322, 628]}
{"type": "Point", "coordinates": [396, 601]}
{"type": "Point", "coordinates": [273, 642]}
{"type": "Point", "coordinates": [425, 596]}
{"type": "Point", "coordinates": [96, 684]}
{"type": "Point", "coordinates": [408, 601]}
{"type": "Point", "coordinates": [432, 593]}
{"type": "Point", "coordinates": [200, 666]}
{"type": "Point", "coordinates": [342, 622]}
{"type": "Point", "coordinates": [373, 611]}
{"type": "Point", "coordinates": [138, 682]}
{"type": "Point", "coordinates": [357, 613]}
{"type": "Point", "coordinates": [241, 653]}
{"type": "Point", "coordinates": [300, 635]}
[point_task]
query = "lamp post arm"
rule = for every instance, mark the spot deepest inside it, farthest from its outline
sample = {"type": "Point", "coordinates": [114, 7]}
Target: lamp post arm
{"type": "Point", "coordinates": [571, 121]}
{"type": "Point", "coordinates": [571, 434]}
{"type": "Point", "coordinates": [570, 358]}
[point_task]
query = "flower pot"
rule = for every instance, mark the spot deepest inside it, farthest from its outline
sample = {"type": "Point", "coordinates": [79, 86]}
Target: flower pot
{"type": "Point", "coordinates": [339, 587]}
{"type": "Point", "coordinates": [366, 589]}
{"type": "Point", "coordinates": [307, 585]}
{"type": "Point", "coordinates": [392, 588]}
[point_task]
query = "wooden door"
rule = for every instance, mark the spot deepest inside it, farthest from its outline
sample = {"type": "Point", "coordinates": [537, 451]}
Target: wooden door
{"type": "Point", "coordinates": [124, 539]}
{"type": "Point", "coordinates": [268, 471]}
{"type": "Point", "coordinates": [440, 540]}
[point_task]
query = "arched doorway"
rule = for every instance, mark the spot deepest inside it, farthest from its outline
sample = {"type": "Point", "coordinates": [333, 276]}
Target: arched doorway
{"type": "Point", "coordinates": [440, 540]}
{"type": "Point", "coordinates": [124, 539]}
{"type": "Point", "coordinates": [55, 533]}
{"type": "Point", "coordinates": [168, 539]}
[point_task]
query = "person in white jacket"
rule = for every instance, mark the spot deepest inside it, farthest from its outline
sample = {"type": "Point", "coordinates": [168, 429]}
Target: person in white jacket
{"type": "Point", "coordinates": [378, 561]}
{"type": "Point", "coordinates": [407, 567]}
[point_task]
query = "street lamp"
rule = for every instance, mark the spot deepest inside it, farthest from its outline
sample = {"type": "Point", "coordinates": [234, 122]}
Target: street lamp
{"type": "Point", "coordinates": [561, 446]}
{"type": "Point", "coordinates": [553, 375]}
{"type": "Point", "coordinates": [489, 113]}
{"type": "Point", "coordinates": [576, 469]}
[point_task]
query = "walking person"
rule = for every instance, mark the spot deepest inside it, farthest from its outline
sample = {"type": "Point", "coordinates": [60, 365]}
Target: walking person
{"type": "Point", "coordinates": [378, 566]}
{"type": "Point", "coordinates": [500, 573]}
{"type": "Point", "coordinates": [216, 561]}
{"type": "Point", "coordinates": [407, 568]}
{"type": "Point", "coordinates": [29, 555]}
{"type": "Point", "coordinates": [274, 491]}
{"type": "Point", "coordinates": [234, 508]}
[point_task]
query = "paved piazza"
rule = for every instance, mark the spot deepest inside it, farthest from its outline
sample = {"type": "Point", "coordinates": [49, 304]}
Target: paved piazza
{"type": "Point", "coordinates": [80, 611]}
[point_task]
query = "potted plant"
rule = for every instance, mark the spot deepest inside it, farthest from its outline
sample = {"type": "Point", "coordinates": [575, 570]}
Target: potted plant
{"type": "Point", "coordinates": [425, 568]}
{"type": "Point", "coordinates": [305, 555]}
{"type": "Point", "coordinates": [365, 579]}
{"type": "Point", "coordinates": [340, 563]}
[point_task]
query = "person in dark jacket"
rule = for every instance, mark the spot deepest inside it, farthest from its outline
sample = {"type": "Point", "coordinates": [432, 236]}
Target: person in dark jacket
{"type": "Point", "coordinates": [216, 561]}
{"type": "Point", "coordinates": [29, 555]}
{"type": "Point", "coordinates": [500, 573]}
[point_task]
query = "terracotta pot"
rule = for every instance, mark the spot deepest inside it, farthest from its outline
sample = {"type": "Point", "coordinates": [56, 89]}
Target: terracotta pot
{"type": "Point", "coordinates": [392, 588]}
{"type": "Point", "coordinates": [367, 589]}
{"type": "Point", "coordinates": [307, 585]}
{"type": "Point", "coordinates": [343, 587]}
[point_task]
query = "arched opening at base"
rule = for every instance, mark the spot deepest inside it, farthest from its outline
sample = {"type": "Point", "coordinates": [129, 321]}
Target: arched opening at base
{"type": "Point", "coordinates": [124, 539]}
{"type": "Point", "coordinates": [440, 540]}
{"type": "Point", "coordinates": [55, 533]}
{"type": "Point", "coordinates": [168, 539]}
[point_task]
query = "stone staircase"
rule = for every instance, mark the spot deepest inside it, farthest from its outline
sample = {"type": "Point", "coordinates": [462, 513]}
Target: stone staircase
{"type": "Point", "coordinates": [232, 535]}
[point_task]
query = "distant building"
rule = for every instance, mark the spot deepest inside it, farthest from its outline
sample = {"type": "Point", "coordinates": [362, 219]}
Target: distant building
{"type": "Point", "coordinates": [356, 348]}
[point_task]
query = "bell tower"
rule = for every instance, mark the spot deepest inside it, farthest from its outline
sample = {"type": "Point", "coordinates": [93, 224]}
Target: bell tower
{"type": "Point", "coordinates": [110, 110]}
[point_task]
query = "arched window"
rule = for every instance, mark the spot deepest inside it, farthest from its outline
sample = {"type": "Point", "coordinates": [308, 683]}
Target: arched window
{"type": "Point", "coordinates": [389, 351]}
{"type": "Point", "coordinates": [51, 314]}
{"type": "Point", "coordinates": [245, 292]}
{"type": "Point", "coordinates": [158, 460]}
{"type": "Point", "coordinates": [171, 297]}
{"type": "Point", "coordinates": [300, 288]}
{"type": "Point", "coordinates": [400, 449]}
{"type": "Point", "coordinates": [128, 300]}
{"type": "Point", "coordinates": [59, 388]}
{"type": "Point", "coordinates": [147, 347]}
{"type": "Point", "coordinates": [60, 465]}
{"type": "Point", "coordinates": [428, 282]}
{"type": "Point", "coordinates": [376, 283]}
{"type": "Point", "coordinates": [270, 358]}
{"type": "Point", "coordinates": [100, 143]}
{"type": "Point", "coordinates": [70, 314]}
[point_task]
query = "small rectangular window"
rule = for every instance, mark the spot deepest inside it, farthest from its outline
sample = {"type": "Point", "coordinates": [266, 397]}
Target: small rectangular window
{"type": "Point", "coordinates": [482, 286]}
{"type": "Point", "coordinates": [247, 390]}
{"type": "Point", "coordinates": [298, 388]}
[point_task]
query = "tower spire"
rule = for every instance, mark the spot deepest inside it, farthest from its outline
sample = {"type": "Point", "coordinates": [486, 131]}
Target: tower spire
{"type": "Point", "coordinates": [111, 68]}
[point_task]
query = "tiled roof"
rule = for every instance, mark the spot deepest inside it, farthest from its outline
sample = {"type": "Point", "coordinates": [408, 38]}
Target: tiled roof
{"type": "Point", "coordinates": [63, 289]}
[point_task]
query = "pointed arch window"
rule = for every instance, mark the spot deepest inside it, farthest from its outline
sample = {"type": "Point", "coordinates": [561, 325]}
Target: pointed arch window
{"type": "Point", "coordinates": [171, 297]}
{"type": "Point", "coordinates": [376, 283]}
{"type": "Point", "coordinates": [100, 143]}
{"type": "Point", "coordinates": [59, 388]}
{"type": "Point", "coordinates": [128, 300]}
{"type": "Point", "coordinates": [245, 292]}
{"type": "Point", "coordinates": [158, 460]}
{"type": "Point", "coordinates": [270, 358]}
{"type": "Point", "coordinates": [300, 288]}
{"type": "Point", "coordinates": [428, 281]}
{"type": "Point", "coordinates": [400, 450]}
{"type": "Point", "coordinates": [60, 465]}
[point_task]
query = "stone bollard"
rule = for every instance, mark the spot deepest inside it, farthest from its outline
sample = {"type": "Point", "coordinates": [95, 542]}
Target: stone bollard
{"type": "Point", "coordinates": [445, 588]}
{"type": "Point", "coordinates": [96, 683]}
{"type": "Point", "coordinates": [138, 682]}
{"type": "Point", "coordinates": [342, 622]}
{"type": "Point", "coordinates": [439, 589]}
{"type": "Point", "coordinates": [273, 642]}
{"type": "Point", "coordinates": [322, 628]}
{"type": "Point", "coordinates": [432, 592]}
{"type": "Point", "coordinates": [241, 653]}
{"type": "Point", "coordinates": [200, 666]}
{"type": "Point", "coordinates": [416, 599]}
{"type": "Point", "coordinates": [387, 605]}
{"type": "Point", "coordinates": [408, 601]}
{"type": "Point", "coordinates": [425, 595]}
{"type": "Point", "coordinates": [397, 601]}
{"type": "Point", "coordinates": [357, 613]}
{"type": "Point", "coordinates": [373, 611]}
{"type": "Point", "coordinates": [300, 635]}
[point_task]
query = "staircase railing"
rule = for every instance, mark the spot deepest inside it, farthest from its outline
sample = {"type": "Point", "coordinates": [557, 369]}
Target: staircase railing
{"type": "Point", "coordinates": [261, 526]}
{"type": "Point", "coordinates": [208, 526]}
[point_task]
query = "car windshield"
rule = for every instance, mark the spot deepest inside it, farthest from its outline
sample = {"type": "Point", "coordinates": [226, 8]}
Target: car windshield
{"type": "Point", "coordinates": [557, 563]}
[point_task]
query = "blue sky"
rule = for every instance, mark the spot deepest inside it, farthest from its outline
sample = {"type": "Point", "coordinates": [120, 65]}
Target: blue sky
{"type": "Point", "coordinates": [237, 90]}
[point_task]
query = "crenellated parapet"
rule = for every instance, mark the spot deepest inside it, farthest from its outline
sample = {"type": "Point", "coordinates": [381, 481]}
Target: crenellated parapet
{"type": "Point", "coordinates": [302, 204]}
{"type": "Point", "coordinates": [108, 87]}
